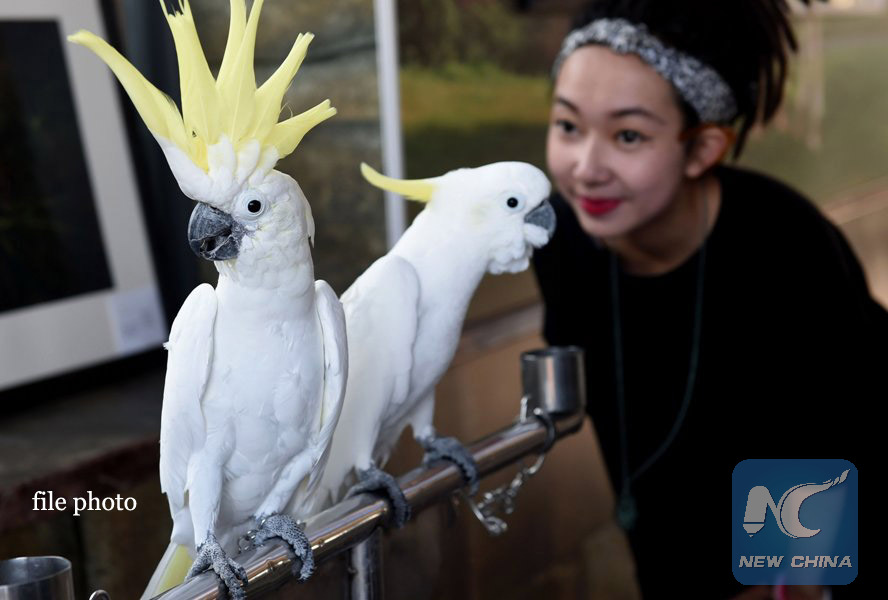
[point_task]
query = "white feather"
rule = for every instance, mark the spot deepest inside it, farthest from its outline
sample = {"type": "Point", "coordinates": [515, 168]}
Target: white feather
{"type": "Point", "coordinates": [182, 430]}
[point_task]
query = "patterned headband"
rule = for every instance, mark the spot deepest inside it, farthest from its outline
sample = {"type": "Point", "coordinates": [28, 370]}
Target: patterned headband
{"type": "Point", "coordinates": [700, 85]}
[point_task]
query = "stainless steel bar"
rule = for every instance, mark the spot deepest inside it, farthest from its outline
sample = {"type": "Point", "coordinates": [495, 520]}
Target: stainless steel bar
{"type": "Point", "coordinates": [354, 519]}
{"type": "Point", "coordinates": [365, 569]}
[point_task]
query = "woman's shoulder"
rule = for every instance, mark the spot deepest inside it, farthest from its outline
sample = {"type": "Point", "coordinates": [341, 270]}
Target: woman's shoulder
{"type": "Point", "coordinates": [763, 195]}
{"type": "Point", "coordinates": [775, 212]}
{"type": "Point", "coordinates": [775, 222]}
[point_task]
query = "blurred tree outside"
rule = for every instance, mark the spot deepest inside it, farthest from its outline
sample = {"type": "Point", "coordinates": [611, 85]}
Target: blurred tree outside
{"type": "Point", "coordinates": [466, 116]}
{"type": "Point", "coordinates": [474, 83]}
{"type": "Point", "coordinates": [832, 134]}
{"type": "Point", "coordinates": [435, 33]}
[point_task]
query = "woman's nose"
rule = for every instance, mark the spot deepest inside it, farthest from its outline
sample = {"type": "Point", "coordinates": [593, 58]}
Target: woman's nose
{"type": "Point", "coordinates": [591, 164]}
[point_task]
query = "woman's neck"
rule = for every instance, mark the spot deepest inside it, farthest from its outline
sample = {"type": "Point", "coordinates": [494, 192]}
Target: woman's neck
{"type": "Point", "coordinates": [673, 236]}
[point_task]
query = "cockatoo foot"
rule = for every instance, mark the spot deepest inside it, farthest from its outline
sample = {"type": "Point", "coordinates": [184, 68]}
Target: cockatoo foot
{"type": "Point", "coordinates": [375, 480]}
{"type": "Point", "coordinates": [282, 526]}
{"type": "Point", "coordinates": [210, 555]}
{"type": "Point", "coordinates": [451, 450]}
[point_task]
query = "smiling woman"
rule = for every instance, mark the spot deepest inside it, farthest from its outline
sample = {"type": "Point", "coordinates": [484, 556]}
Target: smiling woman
{"type": "Point", "coordinates": [613, 114]}
{"type": "Point", "coordinates": [709, 299]}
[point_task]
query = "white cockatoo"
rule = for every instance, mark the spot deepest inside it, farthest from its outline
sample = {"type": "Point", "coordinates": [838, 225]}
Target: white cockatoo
{"type": "Point", "coordinates": [404, 314]}
{"type": "Point", "coordinates": [257, 366]}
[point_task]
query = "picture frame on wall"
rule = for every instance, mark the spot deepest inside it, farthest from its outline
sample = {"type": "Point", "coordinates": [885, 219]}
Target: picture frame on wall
{"type": "Point", "coordinates": [77, 283]}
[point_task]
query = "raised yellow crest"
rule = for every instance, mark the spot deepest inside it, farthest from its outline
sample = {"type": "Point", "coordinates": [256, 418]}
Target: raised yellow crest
{"type": "Point", "coordinates": [420, 190]}
{"type": "Point", "coordinates": [230, 104]}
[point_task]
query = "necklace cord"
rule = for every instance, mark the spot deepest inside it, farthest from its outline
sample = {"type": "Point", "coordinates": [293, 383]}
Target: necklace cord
{"type": "Point", "coordinates": [692, 371]}
{"type": "Point", "coordinates": [694, 360]}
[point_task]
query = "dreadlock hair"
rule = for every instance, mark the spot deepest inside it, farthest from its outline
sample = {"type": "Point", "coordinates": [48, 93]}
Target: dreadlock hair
{"type": "Point", "coordinates": [748, 42]}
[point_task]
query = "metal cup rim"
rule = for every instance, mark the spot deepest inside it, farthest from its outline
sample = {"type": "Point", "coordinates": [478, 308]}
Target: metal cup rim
{"type": "Point", "coordinates": [61, 561]}
{"type": "Point", "coordinates": [550, 351]}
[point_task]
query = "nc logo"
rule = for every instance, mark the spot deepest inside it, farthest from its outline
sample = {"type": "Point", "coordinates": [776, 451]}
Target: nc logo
{"type": "Point", "coordinates": [786, 512]}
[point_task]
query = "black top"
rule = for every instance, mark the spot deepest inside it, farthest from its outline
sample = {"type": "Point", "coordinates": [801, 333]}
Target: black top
{"type": "Point", "coordinates": [788, 355]}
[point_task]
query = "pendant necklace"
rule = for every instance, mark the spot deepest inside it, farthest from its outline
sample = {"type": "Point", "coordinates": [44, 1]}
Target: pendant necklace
{"type": "Point", "coordinates": [627, 512]}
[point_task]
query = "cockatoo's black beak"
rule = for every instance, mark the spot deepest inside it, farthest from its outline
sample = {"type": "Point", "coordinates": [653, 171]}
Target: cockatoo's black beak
{"type": "Point", "coordinates": [542, 216]}
{"type": "Point", "coordinates": [213, 234]}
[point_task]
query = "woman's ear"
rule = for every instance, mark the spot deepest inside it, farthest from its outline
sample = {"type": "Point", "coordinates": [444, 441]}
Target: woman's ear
{"type": "Point", "coordinates": [708, 145]}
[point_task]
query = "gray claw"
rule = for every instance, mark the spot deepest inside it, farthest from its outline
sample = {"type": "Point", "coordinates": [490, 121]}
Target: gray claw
{"type": "Point", "coordinates": [375, 480]}
{"type": "Point", "coordinates": [210, 555]}
{"type": "Point", "coordinates": [452, 450]}
{"type": "Point", "coordinates": [282, 526]}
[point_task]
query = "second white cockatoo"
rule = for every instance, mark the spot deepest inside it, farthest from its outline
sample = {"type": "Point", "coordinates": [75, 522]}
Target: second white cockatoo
{"type": "Point", "coordinates": [404, 314]}
{"type": "Point", "coordinates": [257, 366]}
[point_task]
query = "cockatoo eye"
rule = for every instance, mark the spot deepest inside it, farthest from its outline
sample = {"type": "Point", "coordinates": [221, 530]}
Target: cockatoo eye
{"type": "Point", "coordinates": [251, 205]}
{"type": "Point", "coordinates": [514, 203]}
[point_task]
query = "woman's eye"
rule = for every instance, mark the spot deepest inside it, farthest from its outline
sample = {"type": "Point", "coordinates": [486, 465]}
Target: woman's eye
{"type": "Point", "coordinates": [565, 125]}
{"type": "Point", "coordinates": [630, 137]}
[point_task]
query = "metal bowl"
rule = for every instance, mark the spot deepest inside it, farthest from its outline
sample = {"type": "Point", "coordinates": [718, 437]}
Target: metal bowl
{"type": "Point", "coordinates": [554, 379]}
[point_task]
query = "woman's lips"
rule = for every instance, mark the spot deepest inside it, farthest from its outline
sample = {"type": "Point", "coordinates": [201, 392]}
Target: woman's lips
{"type": "Point", "coordinates": [598, 206]}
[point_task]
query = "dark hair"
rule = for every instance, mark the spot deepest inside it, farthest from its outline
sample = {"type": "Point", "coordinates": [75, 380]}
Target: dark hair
{"type": "Point", "coordinates": [747, 42]}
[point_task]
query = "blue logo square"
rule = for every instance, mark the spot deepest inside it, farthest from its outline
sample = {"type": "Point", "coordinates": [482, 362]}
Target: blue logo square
{"type": "Point", "coordinates": [794, 522]}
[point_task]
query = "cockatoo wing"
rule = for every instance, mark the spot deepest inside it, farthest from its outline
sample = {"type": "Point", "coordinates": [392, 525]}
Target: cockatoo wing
{"type": "Point", "coordinates": [182, 427]}
{"type": "Point", "coordinates": [381, 313]}
{"type": "Point", "coordinates": [332, 319]}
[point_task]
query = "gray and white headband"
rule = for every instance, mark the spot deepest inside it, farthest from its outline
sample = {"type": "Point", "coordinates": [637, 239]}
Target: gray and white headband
{"type": "Point", "coordinates": [700, 85]}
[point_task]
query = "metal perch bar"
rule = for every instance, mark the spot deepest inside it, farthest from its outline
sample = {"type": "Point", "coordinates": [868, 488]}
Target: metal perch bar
{"type": "Point", "coordinates": [554, 392]}
{"type": "Point", "coordinates": [348, 523]}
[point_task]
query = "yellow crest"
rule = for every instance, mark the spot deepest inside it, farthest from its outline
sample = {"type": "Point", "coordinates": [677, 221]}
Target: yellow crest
{"type": "Point", "coordinates": [231, 104]}
{"type": "Point", "coordinates": [420, 190]}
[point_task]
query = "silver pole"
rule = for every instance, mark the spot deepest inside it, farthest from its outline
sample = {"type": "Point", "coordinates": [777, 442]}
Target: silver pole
{"type": "Point", "coordinates": [386, 23]}
{"type": "Point", "coordinates": [365, 569]}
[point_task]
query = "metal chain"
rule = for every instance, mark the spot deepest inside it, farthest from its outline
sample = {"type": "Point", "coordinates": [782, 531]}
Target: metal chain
{"type": "Point", "coordinates": [503, 498]}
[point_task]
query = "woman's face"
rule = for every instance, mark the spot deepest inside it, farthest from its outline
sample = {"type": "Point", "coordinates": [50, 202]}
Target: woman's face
{"type": "Point", "coordinates": [613, 146]}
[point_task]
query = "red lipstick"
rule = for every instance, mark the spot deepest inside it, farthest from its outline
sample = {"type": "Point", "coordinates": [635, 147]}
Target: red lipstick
{"type": "Point", "coordinates": [598, 206]}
